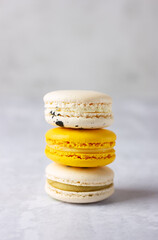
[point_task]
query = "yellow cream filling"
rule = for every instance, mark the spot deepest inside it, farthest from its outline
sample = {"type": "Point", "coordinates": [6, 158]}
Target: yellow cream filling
{"type": "Point", "coordinates": [79, 150]}
{"type": "Point", "coordinates": [80, 154]}
{"type": "Point", "coordinates": [74, 188]}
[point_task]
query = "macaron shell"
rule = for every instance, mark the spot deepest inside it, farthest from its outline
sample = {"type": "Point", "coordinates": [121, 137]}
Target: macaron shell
{"type": "Point", "coordinates": [78, 96]}
{"type": "Point", "coordinates": [78, 197]}
{"type": "Point", "coordinates": [80, 122]}
{"type": "Point", "coordinates": [81, 136]}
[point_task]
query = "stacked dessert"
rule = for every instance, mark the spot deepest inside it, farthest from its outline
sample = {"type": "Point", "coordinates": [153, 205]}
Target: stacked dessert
{"type": "Point", "coordinates": [79, 147]}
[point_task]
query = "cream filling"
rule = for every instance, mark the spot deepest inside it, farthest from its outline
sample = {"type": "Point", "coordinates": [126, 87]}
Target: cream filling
{"type": "Point", "coordinates": [80, 150]}
{"type": "Point", "coordinates": [73, 188]}
{"type": "Point", "coordinates": [79, 108]}
{"type": "Point", "coordinates": [52, 114]}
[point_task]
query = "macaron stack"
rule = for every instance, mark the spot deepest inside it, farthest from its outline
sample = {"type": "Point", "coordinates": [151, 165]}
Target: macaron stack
{"type": "Point", "coordinates": [79, 146]}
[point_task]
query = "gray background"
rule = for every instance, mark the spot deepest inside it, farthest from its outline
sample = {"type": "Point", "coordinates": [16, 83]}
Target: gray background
{"type": "Point", "coordinates": [109, 46]}
{"type": "Point", "coordinates": [104, 45]}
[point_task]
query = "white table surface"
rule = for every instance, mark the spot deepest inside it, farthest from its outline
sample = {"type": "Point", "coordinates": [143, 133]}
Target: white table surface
{"type": "Point", "coordinates": [26, 212]}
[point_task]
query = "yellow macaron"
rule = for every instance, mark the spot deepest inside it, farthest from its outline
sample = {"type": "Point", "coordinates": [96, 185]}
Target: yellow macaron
{"type": "Point", "coordinates": [80, 148]}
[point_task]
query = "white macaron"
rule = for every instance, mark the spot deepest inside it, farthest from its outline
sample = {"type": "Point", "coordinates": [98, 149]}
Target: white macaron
{"type": "Point", "coordinates": [79, 185]}
{"type": "Point", "coordinates": [78, 109]}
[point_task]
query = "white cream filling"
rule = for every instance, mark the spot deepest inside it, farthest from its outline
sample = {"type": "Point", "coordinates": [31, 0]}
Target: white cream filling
{"type": "Point", "coordinates": [79, 108]}
{"type": "Point", "coordinates": [49, 112]}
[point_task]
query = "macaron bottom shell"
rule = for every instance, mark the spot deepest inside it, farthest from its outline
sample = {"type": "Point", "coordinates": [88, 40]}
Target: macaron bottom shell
{"type": "Point", "coordinates": [79, 197]}
{"type": "Point", "coordinates": [80, 122]}
{"type": "Point", "coordinates": [82, 163]}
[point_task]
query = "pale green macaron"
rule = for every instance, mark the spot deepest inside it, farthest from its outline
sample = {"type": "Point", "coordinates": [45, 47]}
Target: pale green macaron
{"type": "Point", "coordinates": [79, 185]}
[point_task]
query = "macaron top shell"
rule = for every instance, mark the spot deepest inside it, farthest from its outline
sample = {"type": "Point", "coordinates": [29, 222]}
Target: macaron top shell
{"type": "Point", "coordinates": [82, 136]}
{"type": "Point", "coordinates": [79, 176]}
{"type": "Point", "coordinates": [77, 96]}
